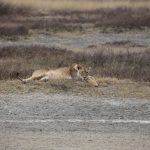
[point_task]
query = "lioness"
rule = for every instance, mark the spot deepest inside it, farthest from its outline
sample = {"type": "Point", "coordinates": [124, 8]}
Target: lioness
{"type": "Point", "coordinates": [75, 71]}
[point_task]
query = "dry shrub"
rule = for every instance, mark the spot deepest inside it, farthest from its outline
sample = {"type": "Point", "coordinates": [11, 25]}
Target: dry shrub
{"type": "Point", "coordinates": [25, 59]}
{"type": "Point", "coordinates": [29, 58]}
{"type": "Point", "coordinates": [13, 31]}
{"type": "Point", "coordinates": [19, 20]}
{"type": "Point", "coordinates": [125, 18]}
{"type": "Point", "coordinates": [8, 8]}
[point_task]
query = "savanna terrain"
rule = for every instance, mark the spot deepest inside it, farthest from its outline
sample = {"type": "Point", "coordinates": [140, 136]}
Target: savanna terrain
{"type": "Point", "coordinates": [112, 37]}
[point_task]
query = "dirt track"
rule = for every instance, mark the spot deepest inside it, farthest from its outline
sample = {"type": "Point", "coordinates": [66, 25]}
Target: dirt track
{"type": "Point", "coordinates": [80, 41]}
{"type": "Point", "coordinates": [63, 122]}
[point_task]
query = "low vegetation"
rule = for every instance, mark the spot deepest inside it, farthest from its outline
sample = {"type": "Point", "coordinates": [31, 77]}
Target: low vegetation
{"type": "Point", "coordinates": [79, 5]}
{"type": "Point", "coordinates": [19, 18]}
{"type": "Point", "coordinates": [26, 59]}
{"type": "Point", "coordinates": [22, 18]}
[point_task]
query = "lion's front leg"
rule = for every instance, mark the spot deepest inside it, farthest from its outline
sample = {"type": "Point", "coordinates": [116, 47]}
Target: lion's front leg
{"type": "Point", "coordinates": [92, 81]}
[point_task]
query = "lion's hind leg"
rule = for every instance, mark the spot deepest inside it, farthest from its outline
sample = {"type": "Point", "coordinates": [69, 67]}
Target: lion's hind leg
{"type": "Point", "coordinates": [44, 79]}
{"type": "Point", "coordinates": [24, 80]}
{"type": "Point", "coordinates": [36, 75]}
{"type": "Point", "coordinates": [28, 79]}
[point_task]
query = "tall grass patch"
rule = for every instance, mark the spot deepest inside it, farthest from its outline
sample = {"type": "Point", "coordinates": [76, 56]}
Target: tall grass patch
{"type": "Point", "coordinates": [26, 59]}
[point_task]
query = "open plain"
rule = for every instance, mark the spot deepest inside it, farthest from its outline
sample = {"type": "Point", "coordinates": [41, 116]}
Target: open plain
{"type": "Point", "coordinates": [113, 37]}
{"type": "Point", "coordinates": [40, 121]}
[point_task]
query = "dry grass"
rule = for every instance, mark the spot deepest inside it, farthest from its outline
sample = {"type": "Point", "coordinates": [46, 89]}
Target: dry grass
{"type": "Point", "coordinates": [108, 86]}
{"type": "Point", "coordinates": [16, 21]}
{"type": "Point", "coordinates": [79, 5]}
{"type": "Point", "coordinates": [53, 86]}
{"type": "Point", "coordinates": [26, 59]}
{"type": "Point", "coordinates": [21, 17]}
{"type": "Point", "coordinates": [127, 88]}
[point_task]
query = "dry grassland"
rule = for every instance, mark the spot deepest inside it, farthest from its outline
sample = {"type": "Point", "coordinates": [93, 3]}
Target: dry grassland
{"type": "Point", "coordinates": [79, 5]}
{"type": "Point", "coordinates": [26, 59]}
{"type": "Point", "coordinates": [107, 87]}
{"type": "Point", "coordinates": [26, 17]}
{"type": "Point", "coordinates": [20, 18]}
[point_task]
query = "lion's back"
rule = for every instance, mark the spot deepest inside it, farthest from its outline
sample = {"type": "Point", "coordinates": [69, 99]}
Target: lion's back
{"type": "Point", "coordinates": [60, 73]}
{"type": "Point", "coordinates": [40, 72]}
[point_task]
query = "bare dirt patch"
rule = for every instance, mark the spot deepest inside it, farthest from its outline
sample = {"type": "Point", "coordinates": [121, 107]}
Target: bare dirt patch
{"type": "Point", "coordinates": [74, 140]}
{"type": "Point", "coordinates": [63, 121]}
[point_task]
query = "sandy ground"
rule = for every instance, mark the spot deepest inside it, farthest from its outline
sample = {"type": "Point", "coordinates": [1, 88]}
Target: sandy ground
{"type": "Point", "coordinates": [40, 121]}
{"type": "Point", "coordinates": [74, 141]}
{"type": "Point", "coordinates": [83, 42]}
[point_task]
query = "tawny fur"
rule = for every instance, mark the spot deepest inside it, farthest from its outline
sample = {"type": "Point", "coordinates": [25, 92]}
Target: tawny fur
{"type": "Point", "coordinates": [75, 71]}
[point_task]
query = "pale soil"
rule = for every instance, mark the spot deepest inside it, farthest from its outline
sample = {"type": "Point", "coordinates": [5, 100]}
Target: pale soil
{"type": "Point", "coordinates": [78, 140]}
{"type": "Point", "coordinates": [38, 121]}
{"type": "Point", "coordinates": [88, 41]}
{"type": "Point", "coordinates": [31, 120]}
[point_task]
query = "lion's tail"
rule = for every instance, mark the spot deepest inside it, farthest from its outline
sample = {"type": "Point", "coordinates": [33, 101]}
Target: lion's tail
{"type": "Point", "coordinates": [20, 77]}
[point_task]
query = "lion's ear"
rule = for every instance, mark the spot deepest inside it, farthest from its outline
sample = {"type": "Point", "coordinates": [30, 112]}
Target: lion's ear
{"type": "Point", "coordinates": [89, 68]}
{"type": "Point", "coordinates": [79, 67]}
{"type": "Point", "coordinates": [76, 67]}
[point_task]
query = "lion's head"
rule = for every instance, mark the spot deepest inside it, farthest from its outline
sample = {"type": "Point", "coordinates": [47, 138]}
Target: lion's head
{"type": "Point", "coordinates": [79, 71]}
